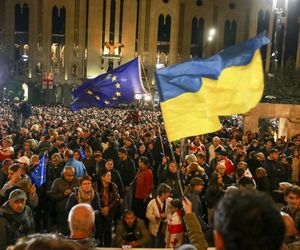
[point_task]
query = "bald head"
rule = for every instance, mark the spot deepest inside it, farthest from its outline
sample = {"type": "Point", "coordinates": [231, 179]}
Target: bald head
{"type": "Point", "coordinates": [81, 220]}
{"type": "Point", "coordinates": [221, 168]}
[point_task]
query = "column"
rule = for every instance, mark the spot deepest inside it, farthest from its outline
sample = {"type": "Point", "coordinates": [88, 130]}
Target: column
{"type": "Point", "coordinates": [47, 34]}
{"type": "Point", "coordinates": [69, 38]}
{"type": "Point", "coordinates": [174, 32]}
{"type": "Point", "coordinates": [9, 36]}
{"type": "Point", "coordinates": [129, 30]}
{"type": "Point", "coordinates": [94, 37]}
{"type": "Point", "coordinates": [298, 51]}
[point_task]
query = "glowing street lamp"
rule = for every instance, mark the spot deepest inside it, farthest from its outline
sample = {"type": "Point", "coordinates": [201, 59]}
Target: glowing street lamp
{"type": "Point", "coordinates": [147, 98]}
{"type": "Point", "coordinates": [138, 96]}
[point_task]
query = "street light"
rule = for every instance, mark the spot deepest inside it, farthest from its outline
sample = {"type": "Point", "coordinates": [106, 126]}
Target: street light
{"type": "Point", "coordinates": [211, 37]}
{"type": "Point", "coordinates": [138, 96]}
{"type": "Point", "coordinates": [147, 98]}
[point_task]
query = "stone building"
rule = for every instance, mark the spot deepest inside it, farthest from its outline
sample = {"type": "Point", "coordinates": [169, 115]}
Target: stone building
{"type": "Point", "coordinates": [73, 40]}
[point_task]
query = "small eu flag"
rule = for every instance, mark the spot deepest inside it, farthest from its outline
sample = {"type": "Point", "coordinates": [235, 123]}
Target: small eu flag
{"type": "Point", "coordinates": [82, 153]}
{"type": "Point", "coordinates": [118, 86]}
{"type": "Point", "coordinates": [38, 175]}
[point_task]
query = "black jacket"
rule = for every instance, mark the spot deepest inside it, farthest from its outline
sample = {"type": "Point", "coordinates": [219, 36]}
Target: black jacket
{"type": "Point", "coordinates": [14, 225]}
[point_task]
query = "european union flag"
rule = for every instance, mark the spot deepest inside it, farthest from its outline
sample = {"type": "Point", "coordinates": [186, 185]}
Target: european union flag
{"type": "Point", "coordinates": [118, 86]}
{"type": "Point", "coordinates": [82, 153]}
{"type": "Point", "coordinates": [194, 93]}
{"type": "Point", "coordinates": [38, 175]}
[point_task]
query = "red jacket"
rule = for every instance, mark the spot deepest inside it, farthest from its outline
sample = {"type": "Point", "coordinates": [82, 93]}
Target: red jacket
{"type": "Point", "coordinates": [229, 166]}
{"type": "Point", "coordinates": [143, 184]}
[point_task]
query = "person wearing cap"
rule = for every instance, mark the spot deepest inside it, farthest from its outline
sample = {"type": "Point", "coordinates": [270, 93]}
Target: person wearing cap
{"type": "Point", "coordinates": [275, 170]}
{"type": "Point", "coordinates": [16, 219]}
{"type": "Point", "coordinates": [24, 163]}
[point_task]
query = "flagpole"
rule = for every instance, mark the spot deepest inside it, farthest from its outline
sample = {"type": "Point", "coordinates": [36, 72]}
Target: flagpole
{"type": "Point", "coordinates": [153, 107]}
{"type": "Point", "coordinates": [160, 136]}
{"type": "Point", "coordinates": [177, 172]}
{"type": "Point", "coordinates": [148, 86]}
{"type": "Point", "coordinates": [161, 142]}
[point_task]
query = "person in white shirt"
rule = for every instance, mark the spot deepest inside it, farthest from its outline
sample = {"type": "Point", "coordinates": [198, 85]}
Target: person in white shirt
{"type": "Point", "coordinates": [157, 213]}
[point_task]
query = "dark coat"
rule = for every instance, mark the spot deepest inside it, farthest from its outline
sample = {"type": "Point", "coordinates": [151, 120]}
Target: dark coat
{"type": "Point", "coordinates": [59, 186]}
{"type": "Point", "coordinates": [113, 197]}
{"type": "Point", "coordinates": [14, 225]}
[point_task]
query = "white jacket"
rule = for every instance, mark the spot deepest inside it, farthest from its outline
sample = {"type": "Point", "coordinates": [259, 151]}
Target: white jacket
{"type": "Point", "coordinates": [153, 213]}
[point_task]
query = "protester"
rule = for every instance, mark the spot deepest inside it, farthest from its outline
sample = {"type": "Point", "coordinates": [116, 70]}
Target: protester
{"type": "Point", "coordinates": [109, 201]}
{"type": "Point", "coordinates": [81, 222]}
{"type": "Point", "coordinates": [236, 212]}
{"type": "Point", "coordinates": [131, 231]}
{"type": "Point", "coordinates": [53, 131]}
{"type": "Point", "coordinates": [61, 188]}
{"type": "Point", "coordinates": [157, 211]}
{"type": "Point", "coordinates": [16, 219]}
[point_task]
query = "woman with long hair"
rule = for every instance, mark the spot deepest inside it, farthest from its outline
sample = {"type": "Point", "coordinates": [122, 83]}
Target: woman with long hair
{"type": "Point", "coordinates": [214, 193]}
{"type": "Point", "coordinates": [295, 165]}
{"type": "Point", "coordinates": [109, 201]}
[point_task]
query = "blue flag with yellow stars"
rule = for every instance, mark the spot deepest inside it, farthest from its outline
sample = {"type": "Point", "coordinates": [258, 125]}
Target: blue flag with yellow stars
{"type": "Point", "coordinates": [118, 86]}
{"type": "Point", "coordinates": [38, 175]}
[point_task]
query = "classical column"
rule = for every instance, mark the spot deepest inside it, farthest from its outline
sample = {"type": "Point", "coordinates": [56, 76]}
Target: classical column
{"type": "Point", "coordinates": [298, 51]}
{"type": "Point", "coordinates": [69, 39]}
{"type": "Point", "coordinates": [47, 34]}
{"type": "Point", "coordinates": [94, 37]}
{"type": "Point", "coordinates": [174, 32]}
{"type": "Point", "coordinates": [9, 32]}
{"type": "Point", "coordinates": [129, 30]}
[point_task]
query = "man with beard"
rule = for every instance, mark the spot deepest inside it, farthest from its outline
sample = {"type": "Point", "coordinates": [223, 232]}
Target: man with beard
{"type": "Point", "coordinates": [131, 231]}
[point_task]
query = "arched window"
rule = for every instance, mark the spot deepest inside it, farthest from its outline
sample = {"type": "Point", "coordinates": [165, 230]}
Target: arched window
{"type": "Point", "coordinates": [164, 34]}
{"type": "Point", "coordinates": [21, 37]}
{"type": "Point", "coordinates": [230, 30]}
{"type": "Point", "coordinates": [197, 37]}
{"type": "Point", "coordinates": [263, 21]}
{"type": "Point", "coordinates": [58, 40]}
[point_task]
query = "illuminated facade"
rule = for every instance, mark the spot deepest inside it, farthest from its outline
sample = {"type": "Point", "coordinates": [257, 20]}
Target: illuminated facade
{"type": "Point", "coordinates": [79, 39]}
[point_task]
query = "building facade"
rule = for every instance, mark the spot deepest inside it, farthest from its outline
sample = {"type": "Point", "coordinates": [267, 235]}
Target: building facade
{"type": "Point", "coordinates": [64, 42]}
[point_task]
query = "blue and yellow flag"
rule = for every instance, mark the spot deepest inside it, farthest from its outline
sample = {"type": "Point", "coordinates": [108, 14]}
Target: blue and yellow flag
{"type": "Point", "coordinates": [194, 93]}
{"type": "Point", "coordinates": [118, 86]}
{"type": "Point", "coordinates": [38, 175]}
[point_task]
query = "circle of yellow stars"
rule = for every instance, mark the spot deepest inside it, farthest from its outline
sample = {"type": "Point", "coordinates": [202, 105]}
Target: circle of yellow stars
{"type": "Point", "coordinates": [117, 93]}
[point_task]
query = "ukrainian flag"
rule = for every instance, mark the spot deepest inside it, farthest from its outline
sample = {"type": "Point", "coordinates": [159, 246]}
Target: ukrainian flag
{"type": "Point", "coordinates": [194, 93]}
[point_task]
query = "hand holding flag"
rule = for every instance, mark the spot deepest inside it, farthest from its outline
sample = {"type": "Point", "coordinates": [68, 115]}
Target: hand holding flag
{"type": "Point", "coordinates": [38, 175]}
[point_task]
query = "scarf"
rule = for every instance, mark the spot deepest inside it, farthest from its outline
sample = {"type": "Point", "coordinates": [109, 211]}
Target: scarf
{"type": "Point", "coordinates": [85, 197]}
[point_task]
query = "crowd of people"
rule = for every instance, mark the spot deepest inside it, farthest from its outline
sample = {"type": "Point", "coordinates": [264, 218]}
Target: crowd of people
{"type": "Point", "coordinates": [114, 174]}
